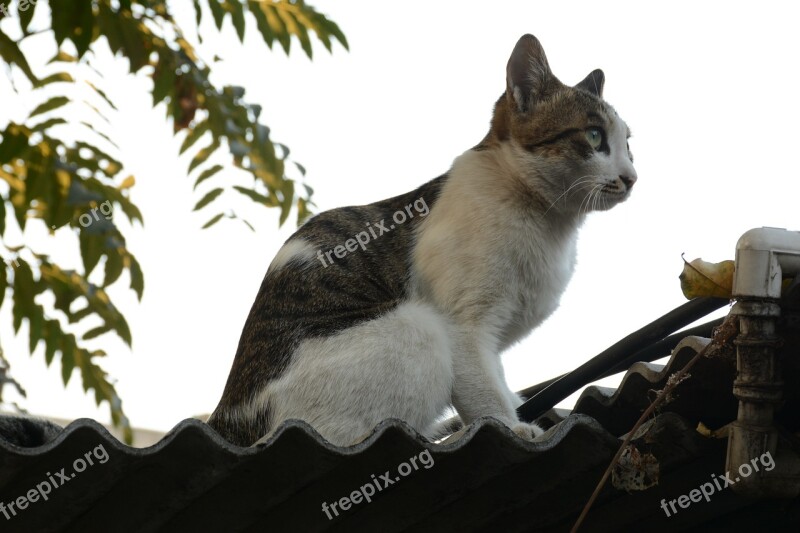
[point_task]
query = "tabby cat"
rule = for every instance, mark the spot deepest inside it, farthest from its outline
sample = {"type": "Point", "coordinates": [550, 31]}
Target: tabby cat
{"type": "Point", "coordinates": [401, 308]}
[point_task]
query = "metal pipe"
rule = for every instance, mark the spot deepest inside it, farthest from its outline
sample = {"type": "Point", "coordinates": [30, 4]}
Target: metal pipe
{"type": "Point", "coordinates": [763, 257]}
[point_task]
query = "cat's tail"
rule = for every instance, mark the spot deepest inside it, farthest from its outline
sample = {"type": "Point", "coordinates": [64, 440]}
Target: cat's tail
{"type": "Point", "coordinates": [445, 428]}
{"type": "Point", "coordinates": [237, 428]}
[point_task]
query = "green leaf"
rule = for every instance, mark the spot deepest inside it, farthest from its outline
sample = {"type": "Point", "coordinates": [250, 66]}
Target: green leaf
{"type": "Point", "coordinates": [237, 16]}
{"type": "Point", "coordinates": [111, 168]}
{"type": "Point", "coordinates": [14, 143]}
{"type": "Point", "coordinates": [52, 340]}
{"type": "Point", "coordinates": [203, 155]}
{"type": "Point", "coordinates": [23, 292]}
{"type": "Point", "coordinates": [49, 105]}
{"type": "Point", "coordinates": [193, 135]}
{"type": "Point", "coordinates": [302, 210]}
{"type": "Point", "coordinates": [103, 95]}
{"type": "Point", "coordinates": [79, 315]}
{"type": "Point", "coordinates": [207, 173]}
{"type": "Point", "coordinates": [115, 195]}
{"type": "Point", "coordinates": [12, 55]}
{"type": "Point", "coordinates": [113, 268]}
{"type": "Point", "coordinates": [256, 196]}
{"type": "Point", "coordinates": [333, 29]}
{"type": "Point", "coordinates": [262, 24]}
{"type": "Point", "coordinates": [68, 350]}
{"type": "Point", "coordinates": [82, 31]}
{"type": "Point", "coordinates": [99, 113]}
{"type": "Point", "coordinates": [62, 57]}
{"type": "Point", "coordinates": [108, 22]}
{"type": "Point", "coordinates": [134, 45]}
{"type": "Point", "coordinates": [296, 29]}
{"type": "Point", "coordinates": [3, 279]}
{"type": "Point", "coordinates": [198, 14]}
{"type": "Point", "coordinates": [278, 27]}
{"type": "Point", "coordinates": [96, 332]}
{"type": "Point", "coordinates": [2, 223]}
{"type": "Point", "coordinates": [164, 77]}
{"type": "Point", "coordinates": [286, 204]}
{"type": "Point", "coordinates": [214, 220]}
{"type": "Point", "coordinates": [217, 12]}
{"type": "Point", "coordinates": [207, 199]}
{"type": "Point", "coordinates": [47, 124]}
{"type": "Point", "coordinates": [35, 325]}
{"type": "Point", "coordinates": [25, 11]}
{"type": "Point", "coordinates": [101, 134]}
{"type": "Point", "coordinates": [137, 278]}
{"type": "Point", "coordinates": [61, 21]}
{"type": "Point", "coordinates": [73, 21]}
{"type": "Point", "coordinates": [122, 329]}
{"type": "Point", "coordinates": [91, 249]}
{"type": "Point", "coordinates": [58, 77]}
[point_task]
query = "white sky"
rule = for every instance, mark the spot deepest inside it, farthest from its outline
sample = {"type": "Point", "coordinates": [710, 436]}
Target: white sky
{"type": "Point", "coordinates": [709, 90]}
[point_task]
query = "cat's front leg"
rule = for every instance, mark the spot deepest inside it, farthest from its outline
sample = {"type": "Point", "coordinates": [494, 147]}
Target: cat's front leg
{"type": "Point", "coordinates": [479, 389]}
{"type": "Point", "coordinates": [526, 430]}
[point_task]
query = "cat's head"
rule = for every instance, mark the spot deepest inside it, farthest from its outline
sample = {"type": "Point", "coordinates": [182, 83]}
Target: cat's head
{"type": "Point", "coordinates": [570, 146]}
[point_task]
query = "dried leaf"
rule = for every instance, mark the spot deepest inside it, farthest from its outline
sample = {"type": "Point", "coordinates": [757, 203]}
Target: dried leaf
{"type": "Point", "coordinates": [635, 470]}
{"type": "Point", "coordinates": [721, 433]}
{"type": "Point", "coordinates": [700, 278]}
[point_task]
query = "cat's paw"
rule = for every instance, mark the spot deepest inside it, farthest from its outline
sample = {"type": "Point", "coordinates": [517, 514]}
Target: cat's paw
{"type": "Point", "coordinates": [526, 430]}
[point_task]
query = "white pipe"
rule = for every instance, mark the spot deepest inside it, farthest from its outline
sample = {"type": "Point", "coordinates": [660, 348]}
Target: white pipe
{"type": "Point", "coordinates": [763, 256]}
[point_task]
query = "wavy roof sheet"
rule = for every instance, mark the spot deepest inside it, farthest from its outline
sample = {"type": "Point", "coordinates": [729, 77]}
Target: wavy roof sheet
{"type": "Point", "coordinates": [487, 480]}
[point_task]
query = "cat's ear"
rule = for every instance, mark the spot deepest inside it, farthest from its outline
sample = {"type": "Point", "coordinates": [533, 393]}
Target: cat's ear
{"type": "Point", "coordinates": [593, 83]}
{"type": "Point", "coordinates": [528, 74]}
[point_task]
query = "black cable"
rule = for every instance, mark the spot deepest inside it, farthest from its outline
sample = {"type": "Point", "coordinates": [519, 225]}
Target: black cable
{"type": "Point", "coordinates": [615, 358]}
{"type": "Point", "coordinates": [665, 346]}
{"type": "Point", "coordinates": [655, 351]}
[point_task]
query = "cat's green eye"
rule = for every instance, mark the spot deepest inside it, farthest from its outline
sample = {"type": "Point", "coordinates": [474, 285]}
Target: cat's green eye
{"type": "Point", "coordinates": [595, 137]}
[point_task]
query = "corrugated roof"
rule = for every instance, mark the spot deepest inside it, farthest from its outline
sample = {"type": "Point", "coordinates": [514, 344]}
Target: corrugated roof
{"type": "Point", "coordinates": [488, 480]}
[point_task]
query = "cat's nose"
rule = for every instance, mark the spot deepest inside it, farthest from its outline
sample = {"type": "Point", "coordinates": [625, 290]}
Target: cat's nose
{"type": "Point", "coordinates": [628, 180]}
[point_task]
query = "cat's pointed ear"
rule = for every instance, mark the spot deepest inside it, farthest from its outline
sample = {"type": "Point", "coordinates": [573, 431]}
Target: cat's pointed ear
{"type": "Point", "coordinates": [593, 83]}
{"type": "Point", "coordinates": [528, 73]}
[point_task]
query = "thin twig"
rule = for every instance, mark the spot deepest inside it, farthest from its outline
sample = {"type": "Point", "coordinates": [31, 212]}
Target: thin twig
{"type": "Point", "coordinates": [726, 330]}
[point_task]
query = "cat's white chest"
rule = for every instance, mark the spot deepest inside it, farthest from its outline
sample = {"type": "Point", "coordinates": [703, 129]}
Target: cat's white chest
{"type": "Point", "coordinates": [539, 270]}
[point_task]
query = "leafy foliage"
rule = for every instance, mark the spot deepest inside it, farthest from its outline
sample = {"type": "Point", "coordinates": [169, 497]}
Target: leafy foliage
{"type": "Point", "coordinates": [67, 184]}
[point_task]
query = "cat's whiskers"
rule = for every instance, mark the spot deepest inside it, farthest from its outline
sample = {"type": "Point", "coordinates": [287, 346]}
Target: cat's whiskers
{"type": "Point", "coordinates": [596, 197]}
{"type": "Point", "coordinates": [590, 197]}
{"type": "Point", "coordinates": [581, 181]}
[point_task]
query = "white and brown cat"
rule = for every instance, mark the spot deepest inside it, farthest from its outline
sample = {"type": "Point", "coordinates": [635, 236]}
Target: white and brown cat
{"type": "Point", "coordinates": [348, 330]}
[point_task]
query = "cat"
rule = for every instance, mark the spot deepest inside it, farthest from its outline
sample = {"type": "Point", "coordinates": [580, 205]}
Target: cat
{"type": "Point", "coordinates": [401, 308]}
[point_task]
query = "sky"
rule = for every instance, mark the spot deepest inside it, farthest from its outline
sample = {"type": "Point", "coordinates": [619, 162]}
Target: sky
{"type": "Point", "coordinates": [708, 89]}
